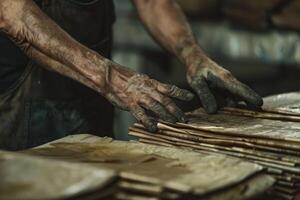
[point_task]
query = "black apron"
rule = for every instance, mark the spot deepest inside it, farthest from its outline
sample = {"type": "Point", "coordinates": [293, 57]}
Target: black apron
{"type": "Point", "coordinates": [43, 106]}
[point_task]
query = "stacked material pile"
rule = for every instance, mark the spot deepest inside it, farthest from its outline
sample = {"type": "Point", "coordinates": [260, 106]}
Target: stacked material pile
{"type": "Point", "coordinates": [270, 138]}
{"type": "Point", "coordinates": [28, 177]}
{"type": "Point", "coordinates": [154, 172]}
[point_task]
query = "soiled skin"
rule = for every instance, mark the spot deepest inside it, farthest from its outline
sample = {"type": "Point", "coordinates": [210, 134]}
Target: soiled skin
{"type": "Point", "coordinates": [46, 43]}
{"type": "Point", "coordinates": [173, 33]}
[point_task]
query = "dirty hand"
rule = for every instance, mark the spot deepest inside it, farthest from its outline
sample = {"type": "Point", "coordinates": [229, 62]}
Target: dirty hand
{"type": "Point", "coordinates": [208, 78]}
{"type": "Point", "coordinates": [137, 93]}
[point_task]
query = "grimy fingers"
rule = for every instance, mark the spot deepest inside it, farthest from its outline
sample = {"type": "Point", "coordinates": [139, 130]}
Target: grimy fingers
{"type": "Point", "coordinates": [171, 107]}
{"type": "Point", "coordinates": [175, 92]}
{"type": "Point", "coordinates": [224, 98]}
{"type": "Point", "coordinates": [207, 99]}
{"type": "Point", "coordinates": [237, 88]}
{"type": "Point", "coordinates": [158, 109]}
{"type": "Point", "coordinates": [139, 113]}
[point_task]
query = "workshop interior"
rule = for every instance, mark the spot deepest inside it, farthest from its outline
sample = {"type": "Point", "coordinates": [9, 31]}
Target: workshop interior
{"type": "Point", "coordinates": [241, 151]}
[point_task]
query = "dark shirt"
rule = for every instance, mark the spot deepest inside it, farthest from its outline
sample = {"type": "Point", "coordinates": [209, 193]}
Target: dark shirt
{"type": "Point", "coordinates": [83, 2]}
{"type": "Point", "coordinates": [12, 63]}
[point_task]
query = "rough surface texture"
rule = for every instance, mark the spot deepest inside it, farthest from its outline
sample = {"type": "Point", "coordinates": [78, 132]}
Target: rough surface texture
{"type": "Point", "coordinates": [26, 177]}
{"type": "Point", "coordinates": [269, 138]}
{"type": "Point", "coordinates": [288, 103]}
{"type": "Point", "coordinates": [154, 169]}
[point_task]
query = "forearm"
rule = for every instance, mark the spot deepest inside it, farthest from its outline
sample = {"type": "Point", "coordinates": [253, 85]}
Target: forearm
{"type": "Point", "coordinates": [34, 32]}
{"type": "Point", "coordinates": [167, 24]}
{"type": "Point", "coordinates": [62, 69]}
{"type": "Point", "coordinates": [43, 41]}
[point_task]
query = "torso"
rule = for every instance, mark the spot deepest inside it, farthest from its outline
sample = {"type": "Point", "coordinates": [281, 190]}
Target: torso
{"type": "Point", "coordinates": [37, 106]}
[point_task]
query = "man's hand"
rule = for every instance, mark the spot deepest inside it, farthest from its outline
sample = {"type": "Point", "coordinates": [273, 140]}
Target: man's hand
{"type": "Point", "coordinates": [46, 43]}
{"type": "Point", "coordinates": [137, 93]}
{"type": "Point", "coordinates": [208, 78]}
{"type": "Point", "coordinates": [174, 33]}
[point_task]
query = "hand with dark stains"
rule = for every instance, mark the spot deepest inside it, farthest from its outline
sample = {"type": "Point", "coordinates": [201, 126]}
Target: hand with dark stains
{"type": "Point", "coordinates": [137, 93]}
{"type": "Point", "coordinates": [204, 76]}
{"type": "Point", "coordinates": [46, 43]}
{"type": "Point", "coordinates": [208, 78]}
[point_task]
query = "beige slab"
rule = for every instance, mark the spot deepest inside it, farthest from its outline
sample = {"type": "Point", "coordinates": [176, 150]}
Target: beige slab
{"type": "Point", "coordinates": [28, 177]}
{"type": "Point", "coordinates": [173, 168]}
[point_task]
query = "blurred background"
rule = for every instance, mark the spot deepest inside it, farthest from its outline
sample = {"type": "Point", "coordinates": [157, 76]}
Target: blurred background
{"type": "Point", "coordinates": [257, 40]}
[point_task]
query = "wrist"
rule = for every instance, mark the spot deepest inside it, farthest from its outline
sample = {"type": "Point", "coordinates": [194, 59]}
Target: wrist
{"type": "Point", "coordinates": [116, 76]}
{"type": "Point", "coordinates": [194, 57]}
{"type": "Point", "coordinates": [190, 53]}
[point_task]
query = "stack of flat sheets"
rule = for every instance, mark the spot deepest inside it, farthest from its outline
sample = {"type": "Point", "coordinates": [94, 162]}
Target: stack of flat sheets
{"type": "Point", "coordinates": [270, 138]}
{"type": "Point", "coordinates": [153, 172]}
{"type": "Point", "coordinates": [31, 178]}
